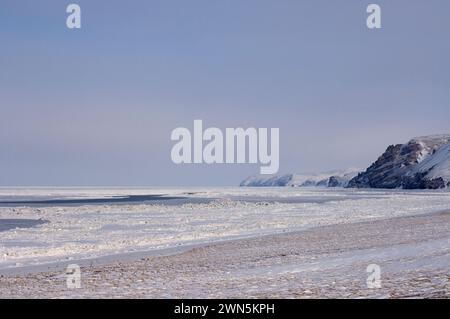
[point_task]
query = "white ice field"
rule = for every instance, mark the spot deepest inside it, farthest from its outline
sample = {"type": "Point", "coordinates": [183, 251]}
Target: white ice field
{"type": "Point", "coordinates": [84, 231]}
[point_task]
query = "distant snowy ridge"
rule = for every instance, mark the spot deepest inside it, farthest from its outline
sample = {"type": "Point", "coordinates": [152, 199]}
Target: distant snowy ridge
{"type": "Point", "coordinates": [328, 179]}
{"type": "Point", "coordinates": [422, 163]}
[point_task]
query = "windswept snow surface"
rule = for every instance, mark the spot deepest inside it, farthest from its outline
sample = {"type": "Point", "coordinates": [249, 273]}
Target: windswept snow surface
{"type": "Point", "coordinates": [437, 165]}
{"type": "Point", "coordinates": [91, 231]}
{"type": "Point", "coordinates": [430, 144]}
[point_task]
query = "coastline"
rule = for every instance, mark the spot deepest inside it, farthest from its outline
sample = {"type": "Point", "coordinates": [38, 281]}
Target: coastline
{"type": "Point", "coordinates": [325, 261]}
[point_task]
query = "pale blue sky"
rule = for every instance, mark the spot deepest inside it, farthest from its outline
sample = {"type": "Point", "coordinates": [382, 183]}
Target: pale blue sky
{"type": "Point", "coordinates": [96, 106]}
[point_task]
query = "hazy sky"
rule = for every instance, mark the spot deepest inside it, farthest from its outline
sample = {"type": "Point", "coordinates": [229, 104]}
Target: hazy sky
{"type": "Point", "coordinates": [96, 106]}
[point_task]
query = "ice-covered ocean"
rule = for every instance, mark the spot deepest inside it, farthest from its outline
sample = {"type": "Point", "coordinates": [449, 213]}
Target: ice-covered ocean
{"type": "Point", "coordinates": [43, 225]}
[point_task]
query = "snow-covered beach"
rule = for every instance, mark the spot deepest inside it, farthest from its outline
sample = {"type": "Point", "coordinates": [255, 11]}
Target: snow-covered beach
{"type": "Point", "coordinates": [226, 242]}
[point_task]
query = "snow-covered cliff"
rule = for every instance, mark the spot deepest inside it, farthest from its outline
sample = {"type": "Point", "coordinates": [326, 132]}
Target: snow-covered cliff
{"type": "Point", "coordinates": [422, 163]}
{"type": "Point", "coordinates": [329, 179]}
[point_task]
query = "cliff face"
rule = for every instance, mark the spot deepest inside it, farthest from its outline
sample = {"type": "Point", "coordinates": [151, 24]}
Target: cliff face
{"type": "Point", "coordinates": [329, 179]}
{"type": "Point", "coordinates": [422, 163]}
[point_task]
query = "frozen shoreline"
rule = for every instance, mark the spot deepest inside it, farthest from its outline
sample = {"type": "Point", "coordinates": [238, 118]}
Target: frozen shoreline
{"type": "Point", "coordinates": [97, 231]}
{"type": "Point", "coordinates": [326, 261]}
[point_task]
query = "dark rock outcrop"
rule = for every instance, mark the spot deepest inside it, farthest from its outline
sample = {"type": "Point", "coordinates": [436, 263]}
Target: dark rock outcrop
{"type": "Point", "coordinates": [409, 166]}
